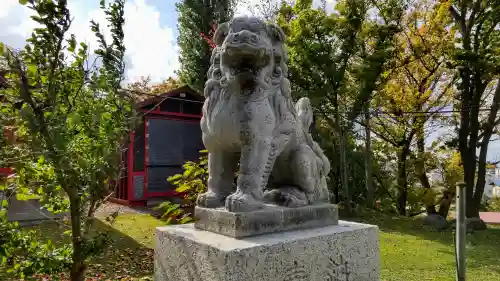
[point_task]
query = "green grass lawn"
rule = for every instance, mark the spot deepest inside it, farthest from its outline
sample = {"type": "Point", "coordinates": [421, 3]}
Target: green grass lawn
{"type": "Point", "coordinates": [409, 252]}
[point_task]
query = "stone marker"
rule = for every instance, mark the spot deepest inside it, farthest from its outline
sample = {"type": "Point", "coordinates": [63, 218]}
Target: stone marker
{"type": "Point", "coordinates": [277, 224]}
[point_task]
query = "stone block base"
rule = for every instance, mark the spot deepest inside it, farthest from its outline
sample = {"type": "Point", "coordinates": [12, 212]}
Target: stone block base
{"type": "Point", "coordinates": [344, 252]}
{"type": "Point", "coordinates": [268, 220]}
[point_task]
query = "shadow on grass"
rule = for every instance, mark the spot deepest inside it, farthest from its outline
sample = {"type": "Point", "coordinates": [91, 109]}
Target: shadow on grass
{"type": "Point", "coordinates": [483, 247]}
{"type": "Point", "coordinates": [129, 255]}
{"type": "Point", "coordinates": [124, 257]}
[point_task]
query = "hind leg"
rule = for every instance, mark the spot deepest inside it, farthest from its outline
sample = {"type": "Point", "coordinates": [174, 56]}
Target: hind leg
{"type": "Point", "coordinates": [221, 171]}
{"type": "Point", "coordinates": [305, 183]}
{"type": "Point", "coordinates": [289, 196]}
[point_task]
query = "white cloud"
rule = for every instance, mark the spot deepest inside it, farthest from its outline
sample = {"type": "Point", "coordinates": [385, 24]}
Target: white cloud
{"type": "Point", "coordinates": [7, 6]}
{"type": "Point", "coordinates": [151, 48]}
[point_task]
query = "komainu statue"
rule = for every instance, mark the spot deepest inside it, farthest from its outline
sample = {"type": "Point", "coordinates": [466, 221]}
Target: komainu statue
{"type": "Point", "coordinates": [249, 117]}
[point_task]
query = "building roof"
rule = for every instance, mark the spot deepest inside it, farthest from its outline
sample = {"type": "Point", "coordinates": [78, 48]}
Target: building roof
{"type": "Point", "coordinates": [158, 98]}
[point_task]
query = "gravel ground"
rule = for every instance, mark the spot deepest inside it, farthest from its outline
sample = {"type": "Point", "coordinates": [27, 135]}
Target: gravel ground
{"type": "Point", "coordinates": [109, 208]}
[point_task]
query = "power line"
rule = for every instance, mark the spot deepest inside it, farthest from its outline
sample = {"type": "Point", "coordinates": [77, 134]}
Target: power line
{"type": "Point", "coordinates": [398, 113]}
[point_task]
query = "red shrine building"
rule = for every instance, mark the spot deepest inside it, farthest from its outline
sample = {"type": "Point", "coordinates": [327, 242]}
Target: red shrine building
{"type": "Point", "coordinates": [168, 136]}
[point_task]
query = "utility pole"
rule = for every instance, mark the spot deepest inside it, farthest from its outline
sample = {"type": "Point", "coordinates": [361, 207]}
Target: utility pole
{"type": "Point", "coordinates": [460, 232]}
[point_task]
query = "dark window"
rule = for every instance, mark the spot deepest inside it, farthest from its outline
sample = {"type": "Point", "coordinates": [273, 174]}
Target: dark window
{"type": "Point", "coordinates": [191, 107]}
{"type": "Point", "coordinates": [165, 142]}
{"type": "Point", "coordinates": [139, 143]}
{"type": "Point", "coordinates": [171, 105]}
{"type": "Point", "coordinates": [192, 142]}
{"type": "Point", "coordinates": [171, 143]}
{"type": "Point", "coordinates": [149, 106]}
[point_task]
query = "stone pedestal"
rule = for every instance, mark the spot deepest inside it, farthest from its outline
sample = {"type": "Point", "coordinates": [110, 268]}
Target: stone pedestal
{"type": "Point", "coordinates": [268, 220]}
{"type": "Point", "coordinates": [294, 251]}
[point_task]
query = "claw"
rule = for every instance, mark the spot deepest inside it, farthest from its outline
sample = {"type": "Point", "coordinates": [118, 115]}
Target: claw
{"type": "Point", "coordinates": [240, 202]}
{"type": "Point", "coordinates": [210, 200]}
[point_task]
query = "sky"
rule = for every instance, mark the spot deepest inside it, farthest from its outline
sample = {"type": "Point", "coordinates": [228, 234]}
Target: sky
{"type": "Point", "coordinates": [150, 36]}
{"type": "Point", "coordinates": [150, 32]}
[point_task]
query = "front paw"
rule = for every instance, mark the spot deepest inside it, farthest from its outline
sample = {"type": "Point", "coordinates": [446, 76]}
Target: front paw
{"type": "Point", "coordinates": [210, 200]}
{"type": "Point", "coordinates": [240, 202]}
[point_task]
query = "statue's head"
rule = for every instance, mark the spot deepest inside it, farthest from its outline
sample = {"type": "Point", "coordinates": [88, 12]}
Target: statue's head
{"type": "Point", "coordinates": [251, 51]}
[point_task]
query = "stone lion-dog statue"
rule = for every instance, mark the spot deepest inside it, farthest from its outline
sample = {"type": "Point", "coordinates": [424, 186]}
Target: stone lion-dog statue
{"type": "Point", "coordinates": [249, 116]}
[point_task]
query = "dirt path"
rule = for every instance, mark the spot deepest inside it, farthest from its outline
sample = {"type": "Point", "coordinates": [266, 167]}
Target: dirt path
{"type": "Point", "coordinates": [109, 208]}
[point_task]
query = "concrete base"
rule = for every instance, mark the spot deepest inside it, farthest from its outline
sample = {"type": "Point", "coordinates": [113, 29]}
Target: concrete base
{"type": "Point", "coordinates": [347, 251]}
{"type": "Point", "coordinates": [268, 220]}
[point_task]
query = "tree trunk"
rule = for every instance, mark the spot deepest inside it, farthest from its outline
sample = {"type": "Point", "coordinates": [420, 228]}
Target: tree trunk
{"type": "Point", "coordinates": [444, 205]}
{"type": "Point", "coordinates": [468, 143]}
{"type": "Point", "coordinates": [420, 167]}
{"type": "Point", "coordinates": [468, 159]}
{"type": "Point", "coordinates": [402, 181]}
{"type": "Point", "coordinates": [472, 87]}
{"type": "Point", "coordinates": [78, 267]}
{"type": "Point", "coordinates": [342, 160]}
{"type": "Point", "coordinates": [344, 174]}
{"type": "Point", "coordinates": [368, 162]}
{"type": "Point", "coordinates": [483, 152]}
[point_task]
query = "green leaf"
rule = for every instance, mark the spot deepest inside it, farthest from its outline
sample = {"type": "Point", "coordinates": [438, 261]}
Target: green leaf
{"type": "Point", "coordinates": [23, 2]}
{"type": "Point", "coordinates": [185, 219]}
{"type": "Point", "coordinates": [72, 43]}
{"type": "Point", "coordinates": [41, 160]}
{"type": "Point", "coordinates": [174, 177]}
{"type": "Point", "coordinates": [183, 188]}
{"type": "Point", "coordinates": [171, 209]}
{"type": "Point", "coordinates": [32, 70]}
{"type": "Point", "coordinates": [1, 48]}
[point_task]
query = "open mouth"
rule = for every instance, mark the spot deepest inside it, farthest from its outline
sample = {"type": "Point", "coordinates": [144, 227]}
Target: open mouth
{"type": "Point", "coordinates": [244, 64]}
{"type": "Point", "coordinates": [245, 58]}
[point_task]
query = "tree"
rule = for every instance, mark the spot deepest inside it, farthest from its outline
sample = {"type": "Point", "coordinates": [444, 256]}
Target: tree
{"type": "Point", "coordinates": [337, 60]}
{"type": "Point", "coordinates": [266, 9]}
{"type": "Point", "coordinates": [417, 89]}
{"type": "Point", "coordinates": [477, 63]}
{"type": "Point", "coordinates": [71, 121]}
{"type": "Point", "coordinates": [198, 19]}
{"type": "Point", "coordinates": [139, 89]}
{"type": "Point", "coordinates": [167, 85]}
{"type": "Point", "coordinates": [142, 89]}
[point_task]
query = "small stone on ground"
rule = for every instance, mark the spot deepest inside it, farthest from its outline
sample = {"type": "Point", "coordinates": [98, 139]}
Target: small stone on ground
{"type": "Point", "coordinates": [435, 221]}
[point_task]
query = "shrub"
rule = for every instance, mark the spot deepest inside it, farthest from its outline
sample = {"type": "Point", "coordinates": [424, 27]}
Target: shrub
{"type": "Point", "coordinates": [493, 205]}
{"type": "Point", "coordinates": [189, 184]}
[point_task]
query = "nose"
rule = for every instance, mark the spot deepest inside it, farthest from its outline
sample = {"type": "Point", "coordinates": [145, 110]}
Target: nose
{"type": "Point", "coordinates": [245, 36]}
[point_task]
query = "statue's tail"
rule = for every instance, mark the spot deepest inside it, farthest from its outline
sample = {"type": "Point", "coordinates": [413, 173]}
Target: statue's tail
{"type": "Point", "coordinates": [305, 116]}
